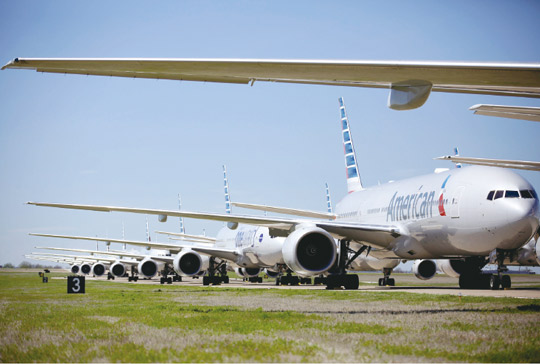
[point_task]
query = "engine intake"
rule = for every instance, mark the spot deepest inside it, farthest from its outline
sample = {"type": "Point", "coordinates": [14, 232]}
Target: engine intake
{"type": "Point", "coordinates": [86, 268]}
{"type": "Point", "coordinates": [451, 267]}
{"type": "Point", "coordinates": [75, 269]}
{"type": "Point", "coordinates": [118, 269]}
{"type": "Point", "coordinates": [424, 269]}
{"type": "Point", "coordinates": [309, 251]}
{"type": "Point", "coordinates": [247, 272]}
{"type": "Point", "coordinates": [147, 268]}
{"type": "Point", "coordinates": [98, 269]}
{"type": "Point", "coordinates": [189, 263]}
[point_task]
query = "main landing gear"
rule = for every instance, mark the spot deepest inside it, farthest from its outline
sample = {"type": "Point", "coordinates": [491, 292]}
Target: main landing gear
{"type": "Point", "coordinates": [338, 277]}
{"type": "Point", "coordinates": [217, 273]}
{"type": "Point", "coordinates": [473, 278]}
{"type": "Point", "coordinates": [164, 275]}
{"type": "Point", "coordinates": [133, 277]}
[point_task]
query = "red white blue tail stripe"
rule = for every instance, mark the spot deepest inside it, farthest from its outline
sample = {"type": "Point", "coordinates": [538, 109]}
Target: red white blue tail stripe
{"type": "Point", "coordinates": [353, 178]}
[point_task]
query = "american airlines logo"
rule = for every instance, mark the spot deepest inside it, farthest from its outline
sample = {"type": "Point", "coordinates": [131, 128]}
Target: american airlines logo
{"type": "Point", "coordinates": [414, 206]}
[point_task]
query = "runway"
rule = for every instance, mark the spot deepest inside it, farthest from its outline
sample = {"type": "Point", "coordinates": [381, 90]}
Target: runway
{"type": "Point", "coordinates": [523, 285]}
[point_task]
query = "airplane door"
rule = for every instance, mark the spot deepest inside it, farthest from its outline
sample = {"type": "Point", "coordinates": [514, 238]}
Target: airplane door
{"type": "Point", "coordinates": [455, 202]}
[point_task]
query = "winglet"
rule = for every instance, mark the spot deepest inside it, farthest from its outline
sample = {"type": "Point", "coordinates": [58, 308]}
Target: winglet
{"type": "Point", "coordinates": [354, 182]}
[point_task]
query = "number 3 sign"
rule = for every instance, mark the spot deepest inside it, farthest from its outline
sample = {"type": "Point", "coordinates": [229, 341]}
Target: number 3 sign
{"type": "Point", "coordinates": [75, 284]}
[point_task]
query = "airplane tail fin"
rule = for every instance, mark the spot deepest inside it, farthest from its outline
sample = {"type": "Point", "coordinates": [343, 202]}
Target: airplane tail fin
{"type": "Point", "coordinates": [354, 183]}
{"type": "Point", "coordinates": [456, 153]}
{"type": "Point", "coordinates": [328, 200]}
{"type": "Point", "coordinates": [147, 231]}
{"type": "Point", "coordinates": [227, 195]}
{"type": "Point", "coordinates": [182, 231]}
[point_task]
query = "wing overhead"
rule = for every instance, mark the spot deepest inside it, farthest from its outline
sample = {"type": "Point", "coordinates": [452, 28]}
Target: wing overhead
{"type": "Point", "coordinates": [285, 210]}
{"type": "Point", "coordinates": [501, 163]}
{"type": "Point", "coordinates": [188, 237]}
{"type": "Point", "coordinates": [377, 235]}
{"type": "Point", "coordinates": [512, 112]}
{"type": "Point", "coordinates": [410, 82]}
{"type": "Point", "coordinates": [147, 244]}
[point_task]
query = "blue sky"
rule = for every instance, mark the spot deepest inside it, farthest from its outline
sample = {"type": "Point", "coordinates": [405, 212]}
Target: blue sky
{"type": "Point", "coordinates": [139, 143]}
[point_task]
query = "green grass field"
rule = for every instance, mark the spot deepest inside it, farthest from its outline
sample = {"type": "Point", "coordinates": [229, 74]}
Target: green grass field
{"type": "Point", "coordinates": [118, 322]}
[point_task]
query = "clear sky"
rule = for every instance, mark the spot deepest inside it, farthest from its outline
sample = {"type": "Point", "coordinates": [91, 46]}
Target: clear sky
{"type": "Point", "coordinates": [127, 142]}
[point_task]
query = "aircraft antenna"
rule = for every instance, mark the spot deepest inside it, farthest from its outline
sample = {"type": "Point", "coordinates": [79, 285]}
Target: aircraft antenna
{"type": "Point", "coordinates": [354, 182]}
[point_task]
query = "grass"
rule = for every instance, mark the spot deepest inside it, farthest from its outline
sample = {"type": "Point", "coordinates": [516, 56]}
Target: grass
{"type": "Point", "coordinates": [117, 322]}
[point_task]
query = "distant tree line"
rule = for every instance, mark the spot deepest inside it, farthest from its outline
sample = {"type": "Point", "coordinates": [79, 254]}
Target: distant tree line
{"type": "Point", "coordinates": [26, 265]}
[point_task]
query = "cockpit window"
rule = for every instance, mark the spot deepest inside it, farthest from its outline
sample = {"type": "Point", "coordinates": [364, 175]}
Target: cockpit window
{"type": "Point", "coordinates": [499, 194]}
{"type": "Point", "coordinates": [490, 195]}
{"type": "Point", "coordinates": [534, 194]}
{"type": "Point", "coordinates": [526, 194]}
{"type": "Point", "coordinates": [511, 194]}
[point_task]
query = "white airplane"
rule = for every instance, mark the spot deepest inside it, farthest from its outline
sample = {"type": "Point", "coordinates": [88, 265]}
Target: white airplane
{"type": "Point", "coordinates": [461, 215]}
{"type": "Point", "coordinates": [410, 82]}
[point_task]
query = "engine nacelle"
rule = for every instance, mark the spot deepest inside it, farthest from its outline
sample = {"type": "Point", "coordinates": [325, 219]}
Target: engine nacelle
{"type": "Point", "coordinates": [271, 273]}
{"type": "Point", "coordinates": [118, 269]}
{"type": "Point", "coordinates": [189, 263]}
{"type": "Point", "coordinates": [75, 269]}
{"type": "Point", "coordinates": [98, 269]}
{"type": "Point", "coordinates": [148, 268]}
{"type": "Point", "coordinates": [451, 267]}
{"type": "Point", "coordinates": [86, 268]}
{"type": "Point", "coordinates": [309, 251]}
{"type": "Point", "coordinates": [537, 249]}
{"type": "Point", "coordinates": [247, 272]}
{"type": "Point", "coordinates": [424, 269]}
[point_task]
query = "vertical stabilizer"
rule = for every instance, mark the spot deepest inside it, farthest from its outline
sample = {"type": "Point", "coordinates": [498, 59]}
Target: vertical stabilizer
{"type": "Point", "coordinates": [182, 231]}
{"type": "Point", "coordinates": [328, 200]}
{"type": "Point", "coordinates": [147, 230]}
{"type": "Point", "coordinates": [353, 177]}
{"type": "Point", "coordinates": [456, 153]}
{"type": "Point", "coordinates": [227, 195]}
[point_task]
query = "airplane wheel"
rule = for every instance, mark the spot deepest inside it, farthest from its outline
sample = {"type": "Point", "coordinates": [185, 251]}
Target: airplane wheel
{"type": "Point", "coordinates": [225, 279]}
{"type": "Point", "coordinates": [494, 282]}
{"type": "Point", "coordinates": [391, 282]}
{"type": "Point", "coordinates": [351, 281]}
{"type": "Point", "coordinates": [206, 281]}
{"type": "Point", "coordinates": [506, 281]}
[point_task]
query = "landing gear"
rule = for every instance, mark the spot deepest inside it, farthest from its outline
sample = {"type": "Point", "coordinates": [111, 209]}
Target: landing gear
{"type": "Point", "coordinates": [164, 275]}
{"type": "Point", "coordinates": [339, 277]}
{"type": "Point", "coordinates": [216, 267]}
{"type": "Point", "coordinates": [288, 280]}
{"type": "Point", "coordinates": [110, 276]}
{"type": "Point", "coordinates": [133, 277]}
{"type": "Point", "coordinates": [387, 281]}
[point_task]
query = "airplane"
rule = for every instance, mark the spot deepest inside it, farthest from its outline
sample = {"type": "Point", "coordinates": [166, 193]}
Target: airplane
{"type": "Point", "coordinates": [462, 216]}
{"type": "Point", "coordinates": [503, 111]}
{"type": "Point", "coordinates": [410, 82]}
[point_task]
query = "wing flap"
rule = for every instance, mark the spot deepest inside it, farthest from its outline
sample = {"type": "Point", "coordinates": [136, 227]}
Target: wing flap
{"type": "Point", "coordinates": [287, 211]}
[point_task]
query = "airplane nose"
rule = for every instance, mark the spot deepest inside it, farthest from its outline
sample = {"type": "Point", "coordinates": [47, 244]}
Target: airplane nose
{"type": "Point", "coordinates": [523, 213]}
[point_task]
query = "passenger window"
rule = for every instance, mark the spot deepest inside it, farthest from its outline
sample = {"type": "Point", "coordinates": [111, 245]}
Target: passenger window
{"type": "Point", "coordinates": [511, 194]}
{"type": "Point", "coordinates": [498, 194]}
{"type": "Point", "coordinates": [526, 194]}
{"type": "Point", "coordinates": [490, 195]}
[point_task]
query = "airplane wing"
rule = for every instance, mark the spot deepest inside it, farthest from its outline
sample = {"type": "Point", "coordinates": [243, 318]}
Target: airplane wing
{"type": "Point", "coordinates": [147, 244]}
{"type": "Point", "coordinates": [195, 238]}
{"type": "Point", "coordinates": [501, 163]}
{"type": "Point", "coordinates": [376, 235]}
{"type": "Point", "coordinates": [512, 112]}
{"type": "Point", "coordinates": [95, 254]}
{"type": "Point", "coordinates": [287, 211]}
{"type": "Point", "coordinates": [410, 82]}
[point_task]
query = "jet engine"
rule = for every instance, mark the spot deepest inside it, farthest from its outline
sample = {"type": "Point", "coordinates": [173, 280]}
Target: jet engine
{"type": "Point", "coordinates": [538, 251]}
{"type": "Point", "coordinates": [247, 272]}
{"type": "Point", "coordinates": [271, 273]}
{"type": "Point", "coordinates": [118, 269]}
{"type": "Point", "coordinates": [98, 269]}
{"type": "Point", "coordinates": [309, 251]}
{"type": "Point", "coordinates": [75, 269]}
{"type": "Point", "coordinates": [147, 268]}
{"type": "Point", "coordinates": [189, 263]}
{"type": "Point", "coordinates": [451, 267]}
{"type": "Point", "coordinates": [424, 269]}
{"type": "Point", "coordinates": [86, 268]}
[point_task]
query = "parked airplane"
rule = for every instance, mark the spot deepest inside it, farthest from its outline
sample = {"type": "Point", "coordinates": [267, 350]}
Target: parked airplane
{"type": "Point", "coordinates": [462, 215]}
{"type": "Point", "coordinates": [410, 82]}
